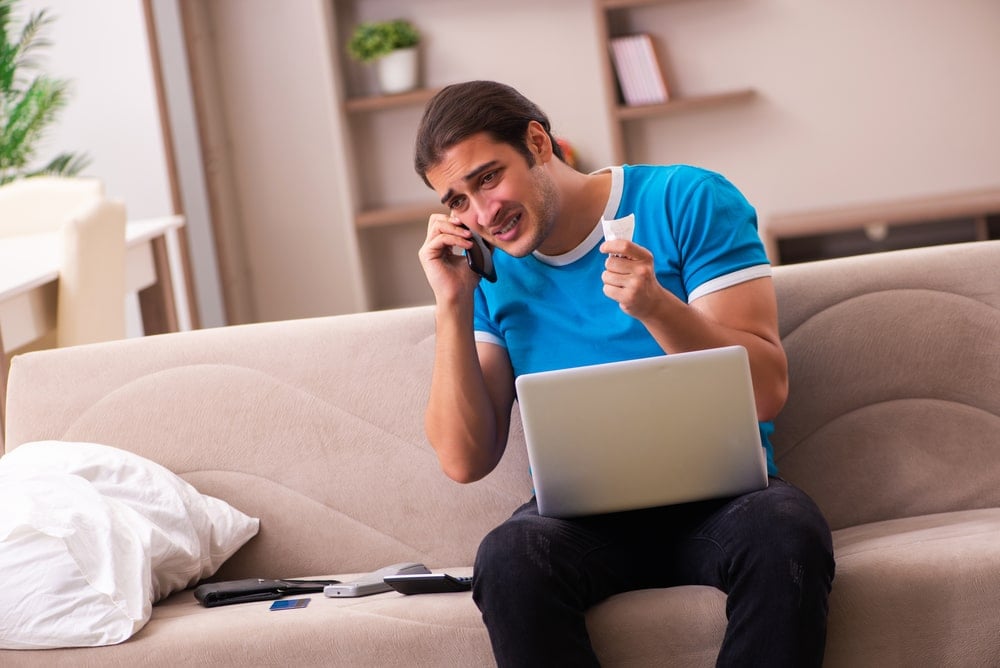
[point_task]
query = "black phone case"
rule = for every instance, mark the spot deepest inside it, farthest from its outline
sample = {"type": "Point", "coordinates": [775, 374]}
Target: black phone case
{"type": "Point", "coordinates": [254, 589]}
{"type": "Point", "coordinates": [480, 258]}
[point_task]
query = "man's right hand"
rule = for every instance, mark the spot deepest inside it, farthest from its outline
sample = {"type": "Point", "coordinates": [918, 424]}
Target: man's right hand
{"type": "Point", "coordinates": [448, 274]}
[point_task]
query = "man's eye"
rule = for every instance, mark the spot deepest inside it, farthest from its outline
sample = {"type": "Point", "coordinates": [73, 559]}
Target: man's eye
{"type": "Point", "coordinates": [490, 177]}
{"type": "Point", "coordinates": [456, 204]}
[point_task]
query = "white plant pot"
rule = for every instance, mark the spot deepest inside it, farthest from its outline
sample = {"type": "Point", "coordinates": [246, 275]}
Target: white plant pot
{"type": "Point", "coordinates": [397, 71]}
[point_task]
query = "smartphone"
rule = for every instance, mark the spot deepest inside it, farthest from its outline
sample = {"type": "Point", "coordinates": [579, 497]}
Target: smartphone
{"type": "Point", "coordinates": [430, 583]}
{"type": "Point", "coordinates": [480, 258]}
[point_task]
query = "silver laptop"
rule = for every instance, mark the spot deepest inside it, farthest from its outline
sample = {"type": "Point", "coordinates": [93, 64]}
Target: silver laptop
{"type": "Point", "coordinates": [642, 433]}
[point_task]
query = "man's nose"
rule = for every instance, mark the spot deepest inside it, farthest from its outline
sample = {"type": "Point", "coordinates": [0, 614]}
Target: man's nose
{"type": "Point", "coordinates": [484, 210]}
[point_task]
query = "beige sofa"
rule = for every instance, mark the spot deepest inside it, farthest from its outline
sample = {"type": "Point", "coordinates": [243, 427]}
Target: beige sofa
{"type": "Point", "coordinates": [315, 426]}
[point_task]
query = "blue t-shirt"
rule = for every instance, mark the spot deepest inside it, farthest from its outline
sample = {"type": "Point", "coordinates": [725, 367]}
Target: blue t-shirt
{"type": "Point", "coordinates": [550, 312]}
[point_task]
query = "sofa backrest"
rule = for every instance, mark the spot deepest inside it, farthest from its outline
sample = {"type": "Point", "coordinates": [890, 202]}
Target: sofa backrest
{"type": "Point", "coordinates": [316, 426]}
{"type": "Point", "coordinates": [894, 365]}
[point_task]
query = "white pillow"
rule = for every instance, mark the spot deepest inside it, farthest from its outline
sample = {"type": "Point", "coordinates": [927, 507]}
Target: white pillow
{"type": "Point", "coordinates": [91, 536]}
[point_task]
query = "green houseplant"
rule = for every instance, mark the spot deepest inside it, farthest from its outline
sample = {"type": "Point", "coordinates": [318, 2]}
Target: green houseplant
{"type": "Point", "coordinates": [392, 47]}
{"type": "Point", "coordinates": [374, 39]}
{"type": "Point", "coordinates": [29, 100]}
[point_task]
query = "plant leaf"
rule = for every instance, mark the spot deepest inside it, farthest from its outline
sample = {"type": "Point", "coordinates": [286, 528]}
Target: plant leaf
{"type": "Point", "coordinates": [29, 101]}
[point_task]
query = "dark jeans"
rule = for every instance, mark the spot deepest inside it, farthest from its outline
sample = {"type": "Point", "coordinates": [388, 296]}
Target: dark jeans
{"type": "Point", "coordinates": [770, 551]}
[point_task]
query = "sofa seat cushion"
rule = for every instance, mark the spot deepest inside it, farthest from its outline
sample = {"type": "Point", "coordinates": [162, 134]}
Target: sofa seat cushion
{"type": "Point", "coordinates": [391, 629]}
{"type": "Point", "coordinates": [387, 629]}
{"type": "Point", "coordinates": [907, 592]}
{"type": "Point", "coordinates": [915, 591]}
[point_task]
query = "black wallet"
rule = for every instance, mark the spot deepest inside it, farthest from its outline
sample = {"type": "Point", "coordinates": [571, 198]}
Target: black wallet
{"type": "Point", "coordinates": [254, 589]}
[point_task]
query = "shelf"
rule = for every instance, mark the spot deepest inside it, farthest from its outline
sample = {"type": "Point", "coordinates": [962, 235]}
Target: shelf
{"type": "Point", "coordinates": [627, 4]}
{"type": "Point", "coordinates": [619, 114]}
{"type": "Point", "coordinates": [397, 215]}
{"type": "Point", "coordinates": [626, 113]}
{"type": "Point", "coordinates": [377, 102]}
{"type": "Point", "coordinates": [407, 213]}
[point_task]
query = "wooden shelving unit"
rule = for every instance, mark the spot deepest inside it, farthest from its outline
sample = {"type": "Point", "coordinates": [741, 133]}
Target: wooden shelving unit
{"type": "Point", "coordinates": [626, 4]}
{"type": "Point", "coordinates": [619, 113]}
{"type": "Point", "coordinates": [399, 214]}
{"type": "Point", "coordinates": [396, 215]}
{"type": "Point", "coordinates": [379, 102]}
{"type": "Point", "coordinates": [626, 113]}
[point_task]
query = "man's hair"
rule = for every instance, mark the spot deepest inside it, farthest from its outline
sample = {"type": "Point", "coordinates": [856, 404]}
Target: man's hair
{"type": "Point", "coordinates": [462, 110]}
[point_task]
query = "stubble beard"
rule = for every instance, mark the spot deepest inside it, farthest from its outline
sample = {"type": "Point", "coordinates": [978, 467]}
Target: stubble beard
{"type": "Point", "coordinates": [543, 209]}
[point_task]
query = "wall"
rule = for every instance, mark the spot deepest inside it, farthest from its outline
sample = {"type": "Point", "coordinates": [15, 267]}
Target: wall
{"type": "Point", "coordinates": [859, 101]}
{"type": "Point", "coordinates": [279, 105]}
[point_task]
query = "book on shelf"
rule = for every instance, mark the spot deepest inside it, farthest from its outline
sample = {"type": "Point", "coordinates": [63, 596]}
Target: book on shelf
{"type": "Point", "coordinates": [638, 70]}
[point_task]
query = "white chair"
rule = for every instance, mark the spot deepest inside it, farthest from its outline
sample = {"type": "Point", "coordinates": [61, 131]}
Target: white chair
{"type": "Point", "coordinates": [91, 230]}
{"type": "Point", "coordinates": [91, 301]}
{"type": "Point", "coordinates": [42, 203]}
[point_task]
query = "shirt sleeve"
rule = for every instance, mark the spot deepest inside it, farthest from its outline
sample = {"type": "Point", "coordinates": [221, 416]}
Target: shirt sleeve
{"type": "Point", "coordinates": [485, 329]}
{"type": "Point", "coordinates": [716, 233]}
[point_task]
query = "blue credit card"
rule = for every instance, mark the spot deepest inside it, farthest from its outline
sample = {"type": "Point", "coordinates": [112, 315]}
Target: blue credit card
{"type": "Point", "coordinates": [290, 603]}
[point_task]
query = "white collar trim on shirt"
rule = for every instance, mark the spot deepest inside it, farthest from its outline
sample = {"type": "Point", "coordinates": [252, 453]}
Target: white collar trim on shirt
{"type": "Point", "coordinates": [597, 234]}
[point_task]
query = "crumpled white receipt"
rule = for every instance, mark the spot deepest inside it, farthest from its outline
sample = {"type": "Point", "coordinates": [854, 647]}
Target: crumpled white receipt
{"type": "Point", "coordinates": [619, 228]}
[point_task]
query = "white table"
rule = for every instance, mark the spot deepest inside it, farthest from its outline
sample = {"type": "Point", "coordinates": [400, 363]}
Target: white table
{"type": "Point", "coordinates": [29, 278]}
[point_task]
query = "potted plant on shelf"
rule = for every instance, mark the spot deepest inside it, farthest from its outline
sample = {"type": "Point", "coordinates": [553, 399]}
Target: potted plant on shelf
{"type": "Point", "coordinates": [392, 47]}
{"type": "Point", "coordinates": [29, 101]}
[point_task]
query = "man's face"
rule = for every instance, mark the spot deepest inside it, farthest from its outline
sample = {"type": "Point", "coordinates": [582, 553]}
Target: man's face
{"type": "Point", "coordinates": [491, 189]}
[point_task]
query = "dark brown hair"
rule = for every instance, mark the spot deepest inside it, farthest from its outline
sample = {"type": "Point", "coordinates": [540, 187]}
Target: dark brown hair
{"type": "Point", "coordinates": [462, 110]}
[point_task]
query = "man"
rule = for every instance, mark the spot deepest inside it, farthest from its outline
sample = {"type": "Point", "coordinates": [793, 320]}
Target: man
{"type": "Point", "coordinates": [695, 276]}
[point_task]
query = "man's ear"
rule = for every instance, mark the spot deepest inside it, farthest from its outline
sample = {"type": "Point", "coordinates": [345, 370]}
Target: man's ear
{"type": "Point", "coordinates": [539, 142]}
